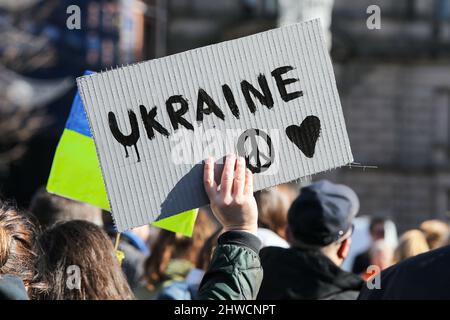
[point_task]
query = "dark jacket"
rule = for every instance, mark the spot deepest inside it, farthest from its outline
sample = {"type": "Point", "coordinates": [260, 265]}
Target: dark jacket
{"type": "Point", "coordinates": [361, 262]}
{"type": "Point", "coordinates": [298, 274]}
{"type": "Point", "coordinates": [235, 271]}
{"type": "Point", "coordinates": [426, 276]}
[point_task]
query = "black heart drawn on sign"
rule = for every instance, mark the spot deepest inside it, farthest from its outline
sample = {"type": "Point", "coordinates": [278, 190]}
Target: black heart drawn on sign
{"type": "Point", "coordinates": [306, 135]}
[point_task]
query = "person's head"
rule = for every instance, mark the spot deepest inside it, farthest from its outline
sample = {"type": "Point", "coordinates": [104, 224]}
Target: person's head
{"type": "Point", "coordinates": [17, 245]}
{"type": "Point", "coordinates": [170, 245]}
{"type": "Point", "coordinates": [289, 190]}
{"type": "Point", "coordinates": [381, 254]}
{"type": "Point", "coordinates": [436, 232]}
{"type": "Point", "coordinates": [204, 256]}
{"type": "Point", "coordinates": [50, 209]}
{"type": "Point", "coordinates": [272, 210]}
{"type": "Point", "coordinates": [411, 243]}
{"type": "Point", "coordinates": [377, 228]}
{"type": "Point", "coordinates": [78, 262]}
{"type": "Point", "coordinates": [322, 218]}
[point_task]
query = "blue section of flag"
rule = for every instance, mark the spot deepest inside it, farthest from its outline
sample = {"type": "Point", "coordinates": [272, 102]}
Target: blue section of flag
{"type": "Point", "coordinates": [77, 120]}
{"type": "Point", "coordinates": [136, 241]}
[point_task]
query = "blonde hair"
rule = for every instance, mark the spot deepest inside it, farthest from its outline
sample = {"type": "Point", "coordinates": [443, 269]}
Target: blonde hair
{"type": "Point", "coordinates": [436, 232]}
{"type": "Point", "coordinates": [411, 243]}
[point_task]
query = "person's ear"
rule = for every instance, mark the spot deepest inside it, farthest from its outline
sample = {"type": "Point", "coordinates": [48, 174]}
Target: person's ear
{"type": "Point", "coordinates": [344, 248]}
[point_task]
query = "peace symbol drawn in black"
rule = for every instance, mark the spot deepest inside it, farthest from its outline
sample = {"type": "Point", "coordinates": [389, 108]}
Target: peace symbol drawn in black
{"type": "Point", "coordinates": [255, 157]}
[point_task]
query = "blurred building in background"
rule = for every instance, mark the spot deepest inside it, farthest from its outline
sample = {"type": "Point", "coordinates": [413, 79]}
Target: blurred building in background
{"type": "Point", "coordinates": [196, 23]}
{"type": "Point", "coordinates": [292, 11]}
{"type": "Point", "coordinates": [394, 85]}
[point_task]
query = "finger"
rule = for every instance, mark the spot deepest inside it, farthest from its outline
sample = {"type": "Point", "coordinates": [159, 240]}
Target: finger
{"type": "Point", "coordinates": [239, 177]}
{"type": "Point", "coordinates": [227, 175]}
{"type": "Point", "coordinates": [208, 178]}
{"type": "Point", "coordinates": [248, 189]}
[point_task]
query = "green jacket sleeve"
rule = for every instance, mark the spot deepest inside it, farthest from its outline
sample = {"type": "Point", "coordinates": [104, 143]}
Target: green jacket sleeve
{"type": "Point", "coordinates": [235, 271]}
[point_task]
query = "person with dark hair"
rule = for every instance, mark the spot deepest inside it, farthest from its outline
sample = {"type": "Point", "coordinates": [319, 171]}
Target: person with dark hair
{"type": "Point", "coordinates": [363, 260]}
{"type": "Point", "coordinates": [320, 226]}
{"type": "Point", "coordinates": [50, 208]}
{"type": "Point", "coordinates": [173, 257]}
{"type": "Point", "coordinates": [17, 251]}
{"type": "Point", "coordinates": [78, 262]}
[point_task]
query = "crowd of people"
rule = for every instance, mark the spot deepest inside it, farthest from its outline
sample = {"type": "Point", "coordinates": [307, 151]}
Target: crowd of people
{"type": "Point", "coordinates": [278, 243]}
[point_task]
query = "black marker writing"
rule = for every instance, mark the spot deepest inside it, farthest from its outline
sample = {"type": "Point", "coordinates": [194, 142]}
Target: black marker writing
{"type": "Point", "coordinates": [254, 156]}
{"type": "Point", "coordinates": [229, 96]}
{"type": "Point", "coordinates": [151, 124]}
{"type": "Point", "coordinates": [282, 83]}
{"type": "Point", "coordinates": [176, 117]}
{"type": "Point", "coordinates": [204, 98]}
{"type": "Point", "coordinates": [125, 140]}
{"type": "Point", "coordinates": [265, 97]}
{"type": "Point", "coordinates": [177, 108]}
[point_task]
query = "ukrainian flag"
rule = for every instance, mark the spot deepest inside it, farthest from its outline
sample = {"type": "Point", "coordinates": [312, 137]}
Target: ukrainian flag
{"type": "Point", "coordinates": [76, 173]}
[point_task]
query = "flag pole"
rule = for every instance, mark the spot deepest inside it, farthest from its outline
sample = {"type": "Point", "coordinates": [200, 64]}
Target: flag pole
{"type": "Point", "coordinates": [116, 245]}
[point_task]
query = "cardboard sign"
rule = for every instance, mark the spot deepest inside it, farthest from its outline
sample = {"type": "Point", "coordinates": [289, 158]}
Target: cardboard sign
{"type": "Point", "coordinates": [270, 97]}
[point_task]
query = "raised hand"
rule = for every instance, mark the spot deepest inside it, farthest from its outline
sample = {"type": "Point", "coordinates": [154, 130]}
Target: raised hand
{"type": "Point", "coordinates": [233, 202]}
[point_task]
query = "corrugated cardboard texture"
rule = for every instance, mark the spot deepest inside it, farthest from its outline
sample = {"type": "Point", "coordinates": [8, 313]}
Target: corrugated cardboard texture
{"type": "Point", "coordinates": [154, 181]}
